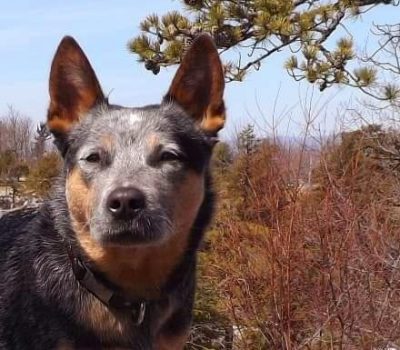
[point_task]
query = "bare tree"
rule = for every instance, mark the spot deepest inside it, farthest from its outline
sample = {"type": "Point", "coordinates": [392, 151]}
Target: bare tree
{"type": "Point", "coordinates": [16, 133]}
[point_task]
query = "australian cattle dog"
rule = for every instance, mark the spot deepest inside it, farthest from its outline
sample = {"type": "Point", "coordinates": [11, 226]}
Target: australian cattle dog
{"type": "Point", "coordinates": [109, 260]}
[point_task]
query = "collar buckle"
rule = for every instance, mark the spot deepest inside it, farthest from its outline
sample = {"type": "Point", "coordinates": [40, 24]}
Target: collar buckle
{"type": "Point", "coordinates": [138, 314]}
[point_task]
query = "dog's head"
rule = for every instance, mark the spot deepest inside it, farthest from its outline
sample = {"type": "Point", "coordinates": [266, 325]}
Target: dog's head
{"type": "Point", "coordinates": [135, 175]}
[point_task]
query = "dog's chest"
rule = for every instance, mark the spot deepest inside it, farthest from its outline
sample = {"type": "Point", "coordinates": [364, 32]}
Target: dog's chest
{"type": "Point", "coordinates": [118, 329]}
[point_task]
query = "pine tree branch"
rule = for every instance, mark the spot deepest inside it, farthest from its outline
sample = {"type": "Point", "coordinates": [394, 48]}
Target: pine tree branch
{"type": "Point", "coordinates": [267, 27]}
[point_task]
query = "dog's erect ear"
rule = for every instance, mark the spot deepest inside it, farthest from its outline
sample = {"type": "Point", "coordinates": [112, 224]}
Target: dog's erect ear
{"type": "Point", "coordinates": [198, 85]}
{"type": "Point", "coordinates": [74, 88]}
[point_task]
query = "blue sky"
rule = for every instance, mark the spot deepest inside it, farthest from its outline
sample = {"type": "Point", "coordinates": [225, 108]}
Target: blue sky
{"type": "Point", "coordinates": [30, 31]}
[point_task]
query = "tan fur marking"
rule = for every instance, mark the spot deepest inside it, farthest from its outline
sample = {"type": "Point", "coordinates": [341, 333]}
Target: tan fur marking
{"type": "Point", "coordinates": [213, 123]}
{"type": "Point", "coordinates": [107, 141]}
{"type": "Point", "coordinates": [110, 327]}
{"type": "Point", "coordinates": [64, 345]}
{"type": "Point", "coordinates": [153, 141]}
{"type": "Point", "coordinates": [62, 121]}
{"type": "Point", "coordinates": [79, 199]}
{"type": "Point", "coordinates": [57, 124]}
{"type": "Point", "coordinates": [141, 270]}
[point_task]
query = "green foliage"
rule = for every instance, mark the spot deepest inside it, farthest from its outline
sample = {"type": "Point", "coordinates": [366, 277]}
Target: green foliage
{"type": "Point", "coordinates": [221, 160]}
{"type": "Point", "coordinates": [168, 46]}
{"type": "Point", "coordinates": [263, 27]}
{"type": "Point", "coordinates": [42, 174]}
{"type": "Point", "coordinates": [366, 76]}
{"type": "Point", "coordinates": [8, 160]}
{"type": "Point", "coordinates": [247, 140]}
{"type": "Point", "coordinates": [11, 167]}
{"type": "Point", "coordinates": [206, 306]}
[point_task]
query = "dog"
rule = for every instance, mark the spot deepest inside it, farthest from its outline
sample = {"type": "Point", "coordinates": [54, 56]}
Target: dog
{"type": "Point", "coordinates": [109, 260]}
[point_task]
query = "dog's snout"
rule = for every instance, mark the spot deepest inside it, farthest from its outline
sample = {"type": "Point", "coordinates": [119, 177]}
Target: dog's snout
{"type": "Point", "coordinates": [125, 202]}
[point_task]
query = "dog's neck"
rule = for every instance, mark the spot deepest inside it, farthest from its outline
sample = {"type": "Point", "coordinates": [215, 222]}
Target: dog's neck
{"type": "Point", "coordinates": [140, 272]}
{"type": "Point", "coordinates": [104, 292]}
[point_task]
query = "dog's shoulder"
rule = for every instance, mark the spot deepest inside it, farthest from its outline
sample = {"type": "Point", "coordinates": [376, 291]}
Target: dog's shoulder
{"type": "Point", "coordinates": [24, 235]}
{"type": "Point", "coordinates": [14, 224]}
{"type": "Point", "coordinates": [14, 220]}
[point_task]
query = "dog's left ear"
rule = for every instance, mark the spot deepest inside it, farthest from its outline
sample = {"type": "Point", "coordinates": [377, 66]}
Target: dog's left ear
{"type": "Point", "coordinates": [198, 85]}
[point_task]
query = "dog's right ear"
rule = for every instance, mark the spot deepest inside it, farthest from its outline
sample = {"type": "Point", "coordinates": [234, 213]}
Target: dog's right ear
{"type": "Point", "coordinates": [74, 88]}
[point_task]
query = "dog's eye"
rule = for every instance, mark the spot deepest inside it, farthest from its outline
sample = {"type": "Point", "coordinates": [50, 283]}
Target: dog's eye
{"type": "Point", "coordinates": [93, 158]}
{"type": "Point", "coordinates": [170, 156]}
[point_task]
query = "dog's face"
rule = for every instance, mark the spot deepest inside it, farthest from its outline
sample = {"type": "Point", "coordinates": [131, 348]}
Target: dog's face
{"type": "Point", "coordinates": [135, 175]}
{"type": "Point", "coordinates": [131, 169]}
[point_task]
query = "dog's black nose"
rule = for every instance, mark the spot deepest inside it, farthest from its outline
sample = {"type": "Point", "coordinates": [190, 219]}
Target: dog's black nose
{"type": "Point", "coordinates": [125, 202]}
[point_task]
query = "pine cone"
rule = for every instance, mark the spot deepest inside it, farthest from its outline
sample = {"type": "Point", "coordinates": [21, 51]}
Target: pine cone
{"type": "Point", "coordinates": [150, 65]}
{"type": "Point", "coordinates": [193, 2]}
{"type": "Point", "coordinates": [224, 37]}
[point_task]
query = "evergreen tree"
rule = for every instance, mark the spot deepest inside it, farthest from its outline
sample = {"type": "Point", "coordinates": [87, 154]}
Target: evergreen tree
{"type": "Point", "coordinates": [43, 173]}
{"type": "Point", "coordinates": [247, 140]}
{"type": "Point", "coordinates": [260, 28]}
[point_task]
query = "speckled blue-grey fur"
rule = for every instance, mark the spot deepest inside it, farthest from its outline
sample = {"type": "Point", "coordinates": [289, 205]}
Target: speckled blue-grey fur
{"type": "Point", "coordinates": [40, 299]}
{"type": "Point", "coordinates": [131, 205]}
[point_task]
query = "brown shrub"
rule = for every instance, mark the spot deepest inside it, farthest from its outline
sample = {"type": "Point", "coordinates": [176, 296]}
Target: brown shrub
{"type": "Point", "coordinates": [315, 271]}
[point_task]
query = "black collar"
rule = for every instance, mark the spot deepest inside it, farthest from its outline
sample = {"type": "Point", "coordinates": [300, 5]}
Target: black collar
{"type": "Point", "coordinates": [107, 296]}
